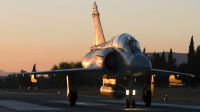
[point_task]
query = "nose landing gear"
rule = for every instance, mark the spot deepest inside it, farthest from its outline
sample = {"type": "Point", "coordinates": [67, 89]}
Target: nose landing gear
{"type": "Point", "coordinates": [130, 102]}
{"type": "Point", "coordinates": [127, 103]}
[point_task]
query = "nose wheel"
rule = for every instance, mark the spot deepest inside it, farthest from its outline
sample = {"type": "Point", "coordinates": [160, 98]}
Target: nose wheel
{"type": "Point", "coordinates": [129, 103]}
{"type": "Point", "coordinates": [132, 103]}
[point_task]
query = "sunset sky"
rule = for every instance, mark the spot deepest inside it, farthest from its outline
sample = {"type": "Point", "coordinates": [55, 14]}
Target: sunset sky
{"type": "Point", "coordinates": [47, 32]}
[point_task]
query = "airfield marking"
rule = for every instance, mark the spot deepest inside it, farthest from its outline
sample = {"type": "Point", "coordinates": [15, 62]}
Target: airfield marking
{"type": "Point", "coordinates": [159, 104]}
{"type": "Point", "coordinates": [18, 105]}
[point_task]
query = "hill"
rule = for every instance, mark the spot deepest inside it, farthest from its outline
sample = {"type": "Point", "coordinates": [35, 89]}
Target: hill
{"type": "Point", "coordinates": [2, 73]}
{"type": "Point", "coordinates": [180, 57]}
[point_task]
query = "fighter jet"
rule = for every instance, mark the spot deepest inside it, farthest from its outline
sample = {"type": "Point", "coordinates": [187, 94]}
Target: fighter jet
{"type": "Point", "coordinates": [119, 57]}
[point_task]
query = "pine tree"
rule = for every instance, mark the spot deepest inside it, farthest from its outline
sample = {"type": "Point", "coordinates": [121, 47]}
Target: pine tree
{"type": "Point", "coordinates": [158, 61]}
{"type": "Point", "coordinates": [153, 60]}
{"type": "Point", "coordinates": [144, 52]}
{"type": "Point", "coordinates": [163, 61]}
{"type": "Point", "coordinates": [171, 64]}
{"type": "Point", "coordinates": [197, 62]}
{"type": "Point", "coordinates": [190, 62]}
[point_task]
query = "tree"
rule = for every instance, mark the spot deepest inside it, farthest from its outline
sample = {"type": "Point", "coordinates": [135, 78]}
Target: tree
{"type": "Point", "coordinates": [182, 68]}
{"type": "Point", "coordinates": [197, 62]}
{"type": "Point", "coordinates": [163, 61]}
{"type": "Point", "coordinates": [190, 62]}
{"type": "Point", "coordinates": [144, 52]}
{"type": "Point", "coordinates": [153, 60]}
{"type": "Point", "coordinates": [55, 67]}
{"type": "Point", "coordinates": [171, 64]}
{"type": "Point", "coordinates": [78, 65]}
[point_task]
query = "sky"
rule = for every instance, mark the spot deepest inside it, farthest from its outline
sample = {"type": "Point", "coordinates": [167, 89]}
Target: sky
{"type": "Point", "coordinates": [47, 32]}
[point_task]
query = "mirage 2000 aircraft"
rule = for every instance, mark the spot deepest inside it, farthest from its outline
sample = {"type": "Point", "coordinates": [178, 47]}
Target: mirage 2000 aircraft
{"type": "Point", "coordinates": [119, 57]}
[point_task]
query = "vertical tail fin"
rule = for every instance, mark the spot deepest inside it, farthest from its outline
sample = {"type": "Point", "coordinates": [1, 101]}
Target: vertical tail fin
{"type": "Point", "coordinates": [98, 32]}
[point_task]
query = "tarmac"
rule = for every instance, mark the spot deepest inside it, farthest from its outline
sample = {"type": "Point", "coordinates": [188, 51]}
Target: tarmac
{"type": "Point", "coordinates": [37, 102]}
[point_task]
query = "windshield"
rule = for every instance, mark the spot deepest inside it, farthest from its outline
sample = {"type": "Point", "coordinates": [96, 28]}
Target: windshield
{"type": "Point", "coordinates": [135, 44]}
{"type": "Point", "coordinates": [132, 47]}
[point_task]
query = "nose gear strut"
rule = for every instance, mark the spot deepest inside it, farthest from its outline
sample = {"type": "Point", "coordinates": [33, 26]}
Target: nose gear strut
{"type": "Point", "coordinates": [129, 101]}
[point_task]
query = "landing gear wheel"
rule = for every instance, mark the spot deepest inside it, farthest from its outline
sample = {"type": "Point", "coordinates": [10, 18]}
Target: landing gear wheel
{"type": "Point", "coordinates": [132, 103]}
{"type": "Point", "coordinates": [127, 103]}
{"type": "Point", "coordinates": [71, 102]}
{"type": "Point", "coordinates": [147, 98]}
{"type": "Point", "coordinates": [72, 98]}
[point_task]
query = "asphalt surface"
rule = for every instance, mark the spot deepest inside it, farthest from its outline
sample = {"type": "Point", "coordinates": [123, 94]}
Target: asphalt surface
{"type": "Point", "coordinates": [29, 102]}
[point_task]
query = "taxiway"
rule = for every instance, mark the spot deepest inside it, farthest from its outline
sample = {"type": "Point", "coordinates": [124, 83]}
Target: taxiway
{"type": "Point", "coordinates": [27, 102]}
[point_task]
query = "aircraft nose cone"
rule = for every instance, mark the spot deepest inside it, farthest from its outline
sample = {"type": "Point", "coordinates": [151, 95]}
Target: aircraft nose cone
{"type": "Point", "coordinates": [140, 65]}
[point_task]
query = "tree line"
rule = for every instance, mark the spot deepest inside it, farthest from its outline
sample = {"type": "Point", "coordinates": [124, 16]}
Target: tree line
{"type": "Point", "coordinates": [159, 61]}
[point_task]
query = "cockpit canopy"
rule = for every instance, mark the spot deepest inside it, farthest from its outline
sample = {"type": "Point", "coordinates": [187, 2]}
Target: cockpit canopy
{"type": "Point", "coordinates": [127, 43]}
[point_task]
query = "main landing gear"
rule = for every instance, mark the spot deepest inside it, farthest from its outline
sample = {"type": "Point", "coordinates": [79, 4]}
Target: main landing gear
{"type": "Point", "coordinates": [146, 97]}
{"type": "Point", "coordinates": [72, 93]}
{"type": "Point", "coordinates": [129, 102]}
{"type": "Point", "coordinates": [72, 97]}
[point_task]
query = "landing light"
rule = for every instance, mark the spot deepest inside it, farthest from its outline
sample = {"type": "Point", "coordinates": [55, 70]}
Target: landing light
{"type": "Point", "coordinates": [134, 92]}
{"type": "Point", "coordinates": [127, 92]}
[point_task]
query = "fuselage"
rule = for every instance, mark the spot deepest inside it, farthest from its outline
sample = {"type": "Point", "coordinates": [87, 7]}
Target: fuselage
{"type": "Point", "coordinates": [119, 56]}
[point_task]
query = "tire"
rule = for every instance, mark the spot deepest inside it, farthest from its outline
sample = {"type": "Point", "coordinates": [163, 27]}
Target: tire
{"type": "Point", "coordinates": [71, 102]}
{"type": "Point", "coordinates": [72, 98]}
{"type": "Point", "coordinates": [127, 103]}
{"type": "Point", "coordinates": [132, 103]}
{"type": "Point", "coordinates": [147, 98]}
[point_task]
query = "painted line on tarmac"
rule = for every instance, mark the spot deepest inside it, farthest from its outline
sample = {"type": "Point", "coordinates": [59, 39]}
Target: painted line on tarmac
{"type": "Point", "coordinates": [18, 105]}
{"type": "Point", "coordinates": [159, 104]}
